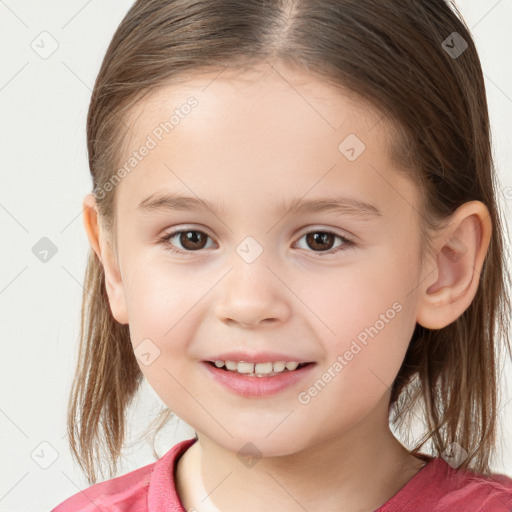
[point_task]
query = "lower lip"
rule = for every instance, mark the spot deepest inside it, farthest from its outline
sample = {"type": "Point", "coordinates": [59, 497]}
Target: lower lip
{"type": "Point", "coordinates": [251, 387]}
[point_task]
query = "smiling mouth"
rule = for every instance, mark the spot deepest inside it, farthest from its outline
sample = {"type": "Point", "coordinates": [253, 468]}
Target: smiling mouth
{"type": "Point", "coordinates": [258, 369]}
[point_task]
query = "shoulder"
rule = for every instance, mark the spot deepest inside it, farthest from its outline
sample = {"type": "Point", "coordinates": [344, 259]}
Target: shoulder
{"type": "Point", "coordinates": [129, 490]}
{"type": "Point", "coordinates": [483, 493]}
{"type": "Point", "coordinates": [438, 487]}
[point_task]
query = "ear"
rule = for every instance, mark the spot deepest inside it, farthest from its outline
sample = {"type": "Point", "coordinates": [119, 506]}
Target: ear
{"type": "Point", "coordinates": [101, 245]}
{"type": "Point", "coordinates": [452, 280]}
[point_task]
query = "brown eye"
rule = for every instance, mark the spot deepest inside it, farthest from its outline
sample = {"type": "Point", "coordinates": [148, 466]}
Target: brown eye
{"type": "Point", "coordinates": [190, 240]}
{"type": "Point", "coordinates": [320, 240]}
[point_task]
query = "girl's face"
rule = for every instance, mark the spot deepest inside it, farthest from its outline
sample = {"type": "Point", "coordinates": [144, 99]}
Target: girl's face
{"type": "Point", "coordinates": [257, 277]}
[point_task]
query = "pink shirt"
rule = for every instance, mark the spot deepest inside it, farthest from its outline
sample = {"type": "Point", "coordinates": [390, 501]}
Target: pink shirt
{"type": "Point", "coordinates": [437, 487]}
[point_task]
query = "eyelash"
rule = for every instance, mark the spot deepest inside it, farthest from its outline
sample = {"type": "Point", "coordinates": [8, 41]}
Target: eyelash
{"type": "Point", "coordinates": [347, 243]}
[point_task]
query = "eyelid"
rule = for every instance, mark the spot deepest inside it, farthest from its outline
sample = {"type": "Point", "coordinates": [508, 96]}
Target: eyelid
{"type": "Point", "coordinates": [183, 229]}
{"type": "Point", "coordinates": [328, 229]}
{"type": "Point", "coordinates": [335, 230]}
{"type": "Point", "coordinates": [348, 241]}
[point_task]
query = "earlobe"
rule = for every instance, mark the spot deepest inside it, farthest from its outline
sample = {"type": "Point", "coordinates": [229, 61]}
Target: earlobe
{"type": "Point", "coordinates": [454, 275]}
{"type": "Point", "coordinates": [103, 249]}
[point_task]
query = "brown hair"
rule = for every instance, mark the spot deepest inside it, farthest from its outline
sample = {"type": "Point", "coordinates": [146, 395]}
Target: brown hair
{"type": "Point", "coordinates": [390, 54]}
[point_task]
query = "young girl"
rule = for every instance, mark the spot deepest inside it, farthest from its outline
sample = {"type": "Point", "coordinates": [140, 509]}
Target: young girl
{"type": "Point", "coordinates": [296, 241]}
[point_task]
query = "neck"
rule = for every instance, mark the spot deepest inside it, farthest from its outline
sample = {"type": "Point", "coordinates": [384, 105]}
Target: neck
{"type": "Point", "coordinates": [333, 471]}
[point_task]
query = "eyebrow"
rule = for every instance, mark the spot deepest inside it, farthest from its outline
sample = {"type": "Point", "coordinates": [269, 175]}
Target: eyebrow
{"type": "Point", "coordinates": [342, 205]}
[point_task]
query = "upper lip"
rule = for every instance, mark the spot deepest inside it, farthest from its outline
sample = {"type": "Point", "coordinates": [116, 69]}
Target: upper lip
{"type": "Point", "coordinates": [259, 357]}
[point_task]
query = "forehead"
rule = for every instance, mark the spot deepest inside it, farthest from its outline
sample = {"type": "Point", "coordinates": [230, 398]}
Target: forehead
{"type": "Point", "coordinates": [264, 94]}
{"type": "Point", "coordinates": [268, 131]}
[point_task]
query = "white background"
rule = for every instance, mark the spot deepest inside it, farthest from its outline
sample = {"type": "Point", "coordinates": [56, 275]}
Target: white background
{"type": "Point", "coordinates": [44, 177]}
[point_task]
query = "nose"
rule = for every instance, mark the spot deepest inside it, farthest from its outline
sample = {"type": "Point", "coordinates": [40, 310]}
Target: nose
{"type": "Point", "coordinates": [251, 296]}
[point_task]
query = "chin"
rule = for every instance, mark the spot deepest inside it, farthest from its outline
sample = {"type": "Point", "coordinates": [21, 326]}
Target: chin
{"type": "Point", "coordinates": [260, 444]}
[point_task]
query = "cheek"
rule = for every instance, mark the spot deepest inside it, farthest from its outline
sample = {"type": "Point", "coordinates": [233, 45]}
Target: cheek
{"type": "Point", "coordinates": [159, 291]}
{"type": "Point", "coordinates": [162, 308]}
{"type": "Point", "coordinates": [368, 318]}
{"type": "Point", "coordinates": [152, 299]}
{"type": "Point", "coordinates": [350, 300]}
{"type": "Point", "coordinates": [162, 320]}
{"type": "Point", "coordinates": [363, 358]}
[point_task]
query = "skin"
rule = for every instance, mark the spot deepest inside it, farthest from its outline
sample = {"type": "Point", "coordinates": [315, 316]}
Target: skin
{"type": "Point", "coordinates": [255, 139]}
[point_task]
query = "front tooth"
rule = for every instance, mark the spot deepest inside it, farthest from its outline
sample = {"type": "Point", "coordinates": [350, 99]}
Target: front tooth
{"type": "Point", "coordinates": [292, 366]}
{"type": "Point", "coordinates": [263, 368]}
{"type": "Point", "coordinates": [231, 365]}
{"type": "Point", "coordinates": [244, 367]}
{"type": "Point", "coordinates": [279, 366]}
